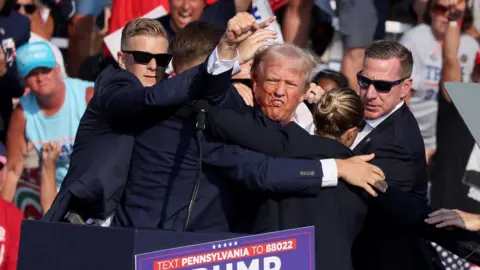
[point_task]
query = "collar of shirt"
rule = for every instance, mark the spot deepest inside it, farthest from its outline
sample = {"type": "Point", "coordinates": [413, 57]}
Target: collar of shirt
{"type": "Point", "coordinates": [303, 117]}
{"type": "Point", "coordinates": [375, 122]}
{"type": "Point", "coordinates": [371, 124]}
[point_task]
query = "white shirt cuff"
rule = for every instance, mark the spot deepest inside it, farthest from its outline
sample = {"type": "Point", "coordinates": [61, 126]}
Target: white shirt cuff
{"type": "Point", "coordinates": [330, 172]}
{"type": "Point", "coordinates": [216, 66]}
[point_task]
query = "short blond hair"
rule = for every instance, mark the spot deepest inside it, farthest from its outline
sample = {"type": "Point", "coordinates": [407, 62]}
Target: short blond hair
{"type": "Point", "coordinates": [304, 60]}
{"type": "Point", "coordinates": [142, 27]}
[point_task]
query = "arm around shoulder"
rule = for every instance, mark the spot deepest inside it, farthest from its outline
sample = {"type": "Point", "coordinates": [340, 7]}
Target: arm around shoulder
{"type": "Point", "coordinates": [123, 95]}
{"type": "Point", "coordinates": [263, 173]}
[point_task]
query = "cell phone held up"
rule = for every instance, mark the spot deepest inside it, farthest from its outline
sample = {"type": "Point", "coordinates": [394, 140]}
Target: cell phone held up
{"type": "Point", "coordinates": [8, 47]}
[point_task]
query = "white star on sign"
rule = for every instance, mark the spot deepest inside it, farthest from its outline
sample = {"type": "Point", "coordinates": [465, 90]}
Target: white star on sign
{"type": "Point", "coordinates": [213, 247]}
{"type": "Point", "coordinates": [235, 243]}
{"type": "Point", "coordinates": [230, 244]}
{"type": "Point", "coordinates": [224, 244]}
{"type": "Point", "coordinates": [219, 246]}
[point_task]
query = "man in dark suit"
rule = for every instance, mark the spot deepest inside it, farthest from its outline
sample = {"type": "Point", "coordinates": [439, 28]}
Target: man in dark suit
{"type": "Point", "coordinates": [103, 148]}
{"type": "Point", "coordinates": [163, 168]}
{"type": "Point", "coordinates": [392, 133]}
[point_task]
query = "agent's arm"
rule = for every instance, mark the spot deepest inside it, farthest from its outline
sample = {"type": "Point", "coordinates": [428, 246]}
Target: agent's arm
{"type": "Point", "coordinates": [263, 173]}
{"type": "Point", "coordinates": [232, 127]}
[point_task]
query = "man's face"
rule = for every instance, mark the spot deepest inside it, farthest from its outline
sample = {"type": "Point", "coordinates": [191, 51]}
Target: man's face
{"type": "Point", "coordinates": [24, 5]}
{"type": "Point", "coordinates": [378, 103]}
{"type": "Point", "coordinates": [184, 12]}
{"type": "Point", "coordinates": [440, 11]}
{"type": "Point", "coordinates": [149, 74]}
{"type": "Point", "coordinates": [279, 89]}
{"type": "Point", "coordinates": [43, 81]}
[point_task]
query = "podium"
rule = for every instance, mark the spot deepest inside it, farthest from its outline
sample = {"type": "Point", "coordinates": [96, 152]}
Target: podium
{"type": "Point", "coordinates": [64, 246]}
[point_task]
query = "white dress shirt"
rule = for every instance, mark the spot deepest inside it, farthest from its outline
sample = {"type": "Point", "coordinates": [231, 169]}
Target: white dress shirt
{"type": "Point", "coordinates": [371, 124]}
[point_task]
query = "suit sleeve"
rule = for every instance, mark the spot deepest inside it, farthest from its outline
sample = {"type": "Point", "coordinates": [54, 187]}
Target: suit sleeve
{"type": "Point", "coordinates": [232, 127]}
{"type": "Point", "coordinates": [124, 97]}
{"type": "Point", "coordinates": [259, 172]}
{"type": "Point", "coordinates": [397, 164]}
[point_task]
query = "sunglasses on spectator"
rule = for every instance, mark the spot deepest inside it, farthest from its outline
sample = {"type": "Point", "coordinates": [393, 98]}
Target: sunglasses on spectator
{"type": "Point", "coordinates": [29, 8]}
{"type": "Point", "coordinates": [380, 86]}
{"type": "Point", "coordinates": [439, 9]}
{"type": "Point", "coordinates": [143, 58]}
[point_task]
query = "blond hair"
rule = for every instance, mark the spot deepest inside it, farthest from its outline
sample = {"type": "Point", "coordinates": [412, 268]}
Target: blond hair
{"type": "Point", "coordinates": [304, 60]}
{"type": "Point", "coordinates": [142, 27]}
{"type": "Point", "coordinates": [337, 111]}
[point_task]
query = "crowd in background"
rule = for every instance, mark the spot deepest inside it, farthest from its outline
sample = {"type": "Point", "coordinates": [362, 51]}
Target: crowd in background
{"type": "Point", "coordinates": [35, 147]}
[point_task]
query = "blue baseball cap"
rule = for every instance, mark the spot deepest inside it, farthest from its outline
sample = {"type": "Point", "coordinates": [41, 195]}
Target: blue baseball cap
{"type": "Point", "coordinates": [34, 55]}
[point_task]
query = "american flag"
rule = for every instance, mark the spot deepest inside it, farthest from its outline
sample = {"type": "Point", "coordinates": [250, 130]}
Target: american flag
{"type": "Point", "coordinates": [451, 261]}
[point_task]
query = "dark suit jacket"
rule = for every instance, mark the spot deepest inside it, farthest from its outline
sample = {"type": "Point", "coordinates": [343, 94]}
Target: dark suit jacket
{"type": "Point", "coordinates": [339, 212]}
{"type": "Point", "coordinates": [104, 142]}
{"type": "Point", "coordinates": [400, 153]}
{"type": "Point", "coordinates": [164, 165]}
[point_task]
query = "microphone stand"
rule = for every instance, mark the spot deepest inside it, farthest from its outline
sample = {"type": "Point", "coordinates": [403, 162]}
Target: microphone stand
{"type": "Point", "coordinates": [200, 126]}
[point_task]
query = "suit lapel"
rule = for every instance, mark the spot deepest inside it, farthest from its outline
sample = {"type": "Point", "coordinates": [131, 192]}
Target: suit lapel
{"type": "Point", "coordinates": [382, 126]}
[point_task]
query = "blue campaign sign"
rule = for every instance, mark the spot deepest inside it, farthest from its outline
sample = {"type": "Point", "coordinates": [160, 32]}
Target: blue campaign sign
{"type": "Point", "coordinates": [290, 249]}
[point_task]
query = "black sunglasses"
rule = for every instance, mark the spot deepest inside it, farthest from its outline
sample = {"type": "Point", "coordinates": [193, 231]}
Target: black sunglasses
{"type": "Point", "coordinates": [380, 86]}
{"type": "Point", "coordinates": [29, 8]}
{"type": "Point", "coordinates": [162, 59]}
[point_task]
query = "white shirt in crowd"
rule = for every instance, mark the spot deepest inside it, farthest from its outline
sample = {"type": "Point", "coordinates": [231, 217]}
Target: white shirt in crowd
{"type": "Point", "coordinates": [427, 67]}
{"type": "Point", "coordinates": [216, 66]}
{"type": "Point", "coordinates": [56, 51]}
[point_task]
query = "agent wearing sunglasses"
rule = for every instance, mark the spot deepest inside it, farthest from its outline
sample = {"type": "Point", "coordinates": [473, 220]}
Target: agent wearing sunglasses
{"type": "Point", "coordinates": [392, 134]}
{"type": "Point", "coordinates": [121, 101]}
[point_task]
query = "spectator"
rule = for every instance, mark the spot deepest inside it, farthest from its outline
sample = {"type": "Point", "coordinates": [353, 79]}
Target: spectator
{"type": "Point", "coordinates": [14, 32]}
{"type": "Point", "coordinates": [10, 222]}
{"type": "Point", "coordinates": [329, 79]}
{"type": "Point", "coordinates": [80, 33]}
{"type": "Point", "coordinates": [50, 113]}
{"type": "Point", "coordinates": [426, 42]}
{"type": "Point", "coordinates": [361, 22]}
{"type": "Point", "coordinates": [182, 12]}
{"type": "Point", "coordinates": [48, 186]}
{"type": "Point", "coordinates": [40, 31]}
{"type": "Point", "coordinates": [31, 10]}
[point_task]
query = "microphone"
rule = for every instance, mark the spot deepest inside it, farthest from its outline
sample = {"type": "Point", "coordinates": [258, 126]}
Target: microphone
{"type": "Point", "coordinates": [201, 107]}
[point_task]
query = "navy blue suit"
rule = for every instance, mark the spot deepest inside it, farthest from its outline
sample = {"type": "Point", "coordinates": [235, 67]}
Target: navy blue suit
{"type": "Point", "coordinates": [104, 142]}
{"type": "Point", "coordinates": [163, 168]}
{"type": "Point", "coordinates": [337, 213]}
{"type": "Point", "coordinates": [400, 153]}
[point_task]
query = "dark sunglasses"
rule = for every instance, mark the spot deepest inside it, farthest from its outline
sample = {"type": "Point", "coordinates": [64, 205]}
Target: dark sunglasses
{"type": "Point", "coordinates": [29, 8]}
{"type": "Point", "coordinates": [247, 82]}
{"type": "Point", "coordinates": [439, 9]}
{"type": "Point", "coordinates": [144, 58]}
{"type": "Point", "coordinates": [380, 86]}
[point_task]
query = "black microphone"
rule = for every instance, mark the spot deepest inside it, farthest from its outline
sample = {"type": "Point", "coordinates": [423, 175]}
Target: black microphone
{"type": "Point", "coordinates": [201, 107]}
